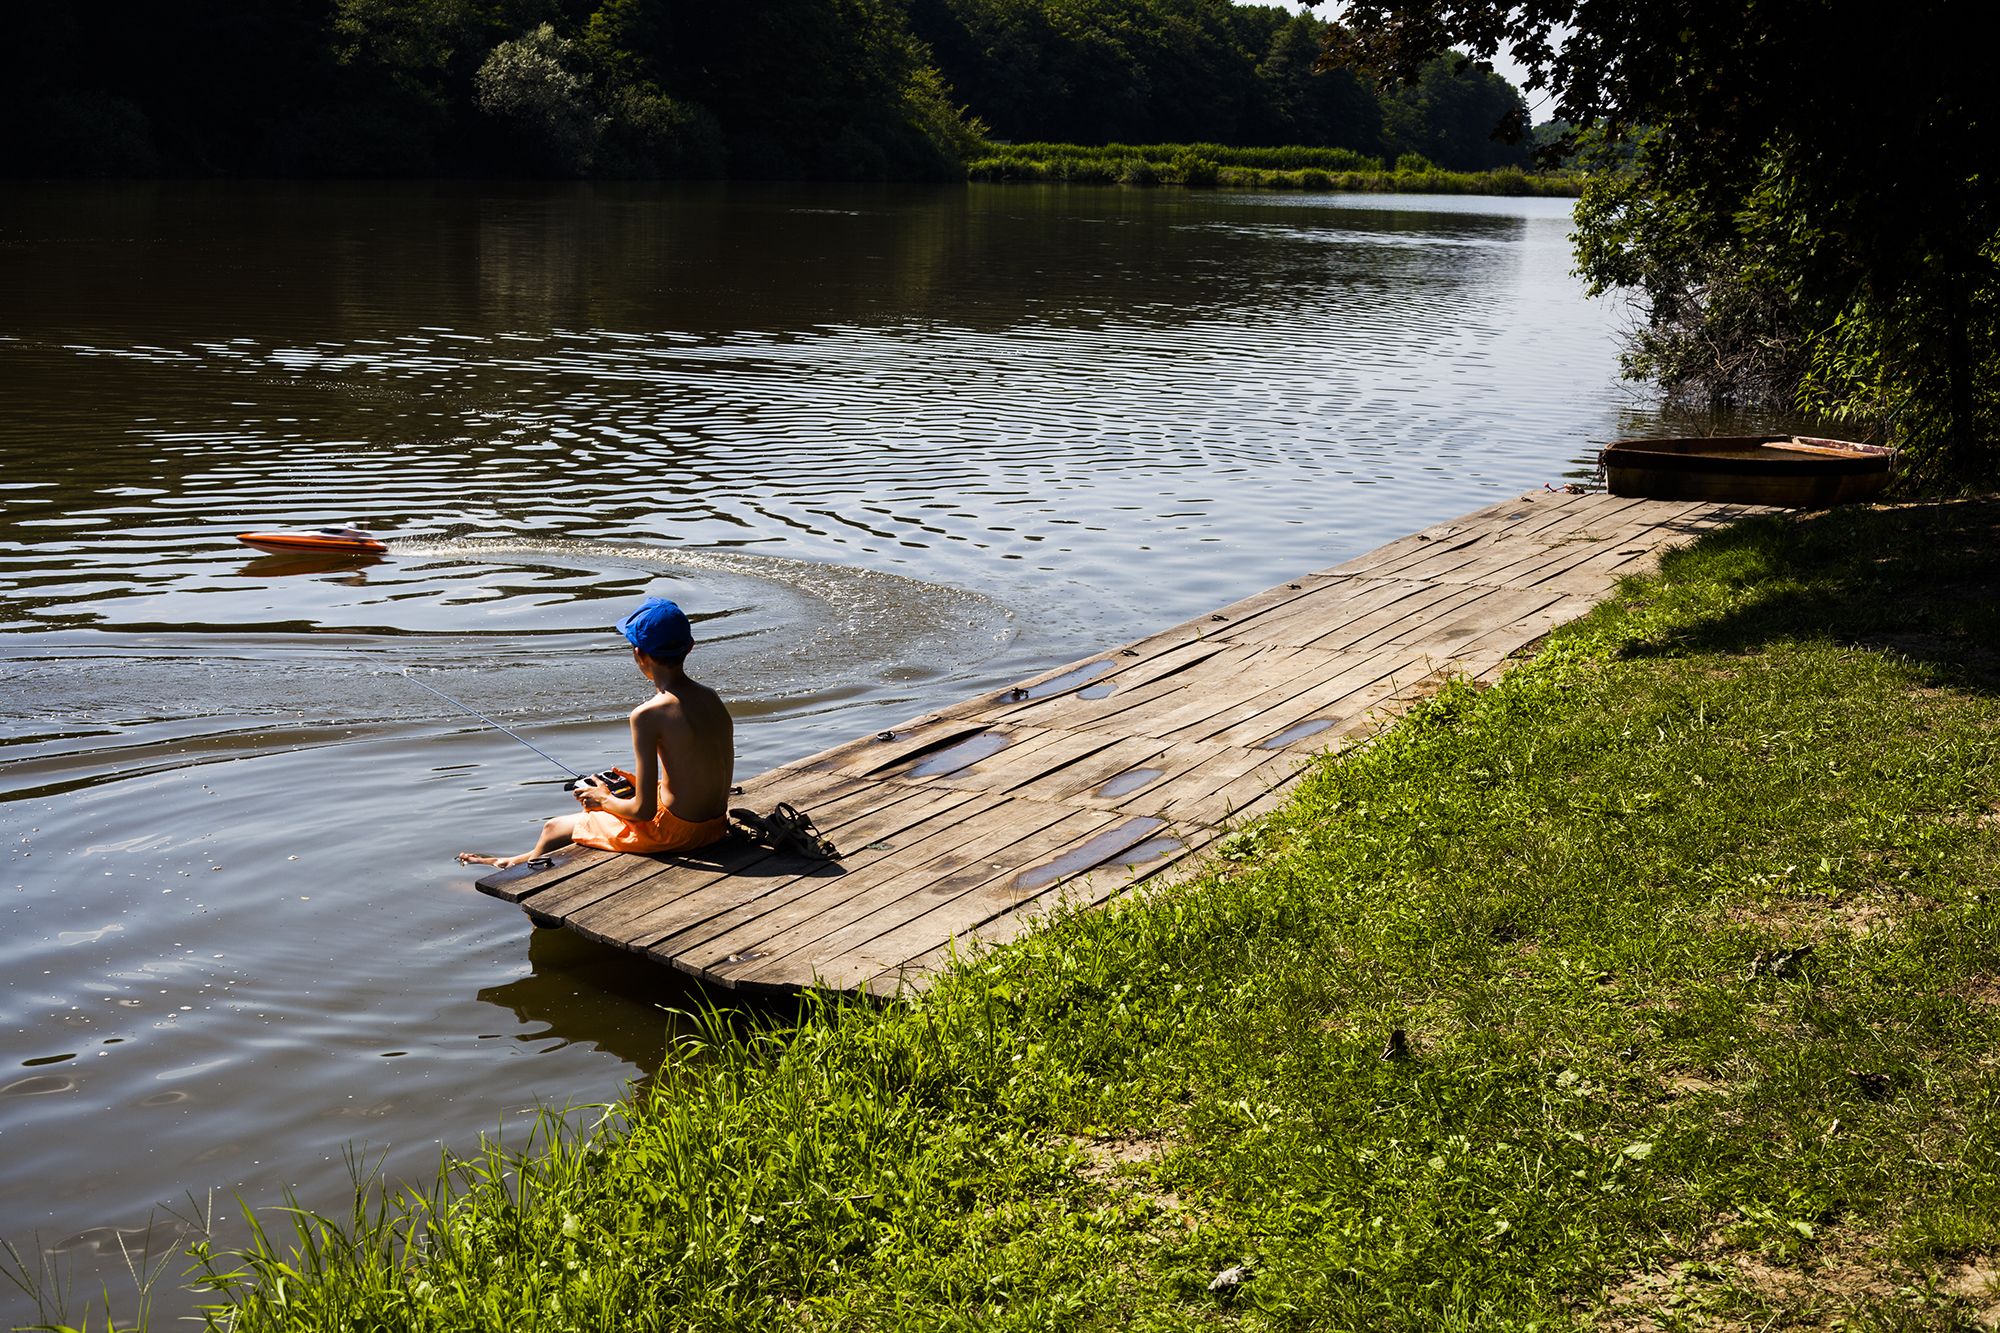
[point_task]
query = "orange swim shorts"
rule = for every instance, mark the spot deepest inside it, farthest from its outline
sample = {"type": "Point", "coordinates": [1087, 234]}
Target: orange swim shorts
{"type": "Point", "coordinates": [664, 832]}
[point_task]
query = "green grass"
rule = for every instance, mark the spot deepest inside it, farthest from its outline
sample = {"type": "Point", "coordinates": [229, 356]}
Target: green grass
{"type": "Point", "coordinates": [1689, 926]}
{"type": "Point", "coordinates": [1211, 165]}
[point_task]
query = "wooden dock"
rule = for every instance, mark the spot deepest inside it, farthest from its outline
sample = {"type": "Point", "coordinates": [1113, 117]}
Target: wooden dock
{"type": "Point", "coordinates": [959, 826]}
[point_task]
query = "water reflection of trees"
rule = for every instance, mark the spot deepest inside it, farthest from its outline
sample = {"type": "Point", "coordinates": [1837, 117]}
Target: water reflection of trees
{"type": "Point", "coordinates": [725, 259]}
{"type": "Point", "coordinates": [174, 263]}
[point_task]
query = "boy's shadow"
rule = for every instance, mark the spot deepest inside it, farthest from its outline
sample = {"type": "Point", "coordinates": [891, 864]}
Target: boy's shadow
{"type": "Point", "coordinates": [1920, 579]}
{"type": "Point", "coordinates": [736, 857]}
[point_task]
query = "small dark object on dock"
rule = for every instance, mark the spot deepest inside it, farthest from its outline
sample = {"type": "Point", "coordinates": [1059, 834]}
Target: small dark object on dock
{"type": "Point", "coordinates": [786, 829]}
{"type": "Point", "coordinates": [1018, 693]}
{"type": "Point", "coordinates": [1398, 1047]}
{"type": "Point", "coordinates": [1218, 616]}
{"type": "Point", "coordinates": [885, 735]}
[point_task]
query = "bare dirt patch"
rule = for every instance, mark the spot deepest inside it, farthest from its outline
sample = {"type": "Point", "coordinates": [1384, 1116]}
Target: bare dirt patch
{"type": "Point", "coordinates": [1842, 1286]}
{"type": "Point", "coordinates": [1688, 1085]}
{"type": "Point", "coordinates": [1809, 920]}
{"type": "Point", "coordinates": [1113, 1156]}
{"type": "Point", "coordinates": [1980, 990]}
{"type": "Point", "coordinates": [1118, 1164]}
{"type": "Point", "coordinates": [1978, 1281]}
{"type": "Point", "coordinates": [1637, 1304]}
{"type": "Point", "coordinates": [1723, 1290]}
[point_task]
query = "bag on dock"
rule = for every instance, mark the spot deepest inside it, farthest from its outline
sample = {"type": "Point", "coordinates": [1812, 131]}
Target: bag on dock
{"type": "Point", "coordinates": [785, 829]}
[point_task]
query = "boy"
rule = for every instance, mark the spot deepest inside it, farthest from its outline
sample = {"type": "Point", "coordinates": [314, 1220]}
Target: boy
{"type": "Point", "coordinates": [683, 745]}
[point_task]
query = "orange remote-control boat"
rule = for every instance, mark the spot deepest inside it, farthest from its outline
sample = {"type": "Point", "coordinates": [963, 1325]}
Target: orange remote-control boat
{"type": "Point", "coordinates": [330, 541]}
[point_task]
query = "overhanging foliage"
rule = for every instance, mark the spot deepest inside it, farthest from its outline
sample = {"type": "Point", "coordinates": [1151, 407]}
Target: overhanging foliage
{"type": "Point", "coordinates": [1826, 162]}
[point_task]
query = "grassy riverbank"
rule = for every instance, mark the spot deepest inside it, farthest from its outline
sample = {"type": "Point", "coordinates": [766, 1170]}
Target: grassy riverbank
{"type": "Point", "coordinates": [1687, 928]}
{"type": "Point", "coordinates": [1207, 165]}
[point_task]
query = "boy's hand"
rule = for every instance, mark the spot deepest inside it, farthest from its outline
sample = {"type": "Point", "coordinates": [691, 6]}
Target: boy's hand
{"type": "Point", "coordinates": [591, 794]}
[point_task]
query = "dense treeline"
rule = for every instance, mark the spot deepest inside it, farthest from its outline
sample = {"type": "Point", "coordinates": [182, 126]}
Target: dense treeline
{"type": "Point", "coordinates": [1181, 71]}
{"type": "Point", "coordinates": [845, 89]}
{"type": "Point", "coordinates": [518, 87]}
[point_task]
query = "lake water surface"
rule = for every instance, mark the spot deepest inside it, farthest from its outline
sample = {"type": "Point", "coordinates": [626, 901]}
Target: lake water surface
{"type": "Point", "coordinates": [888, 446]}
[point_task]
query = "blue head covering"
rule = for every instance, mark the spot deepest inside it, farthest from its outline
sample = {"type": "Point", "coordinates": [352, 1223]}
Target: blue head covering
{"type": "Point", "coordinates": [658, 628]}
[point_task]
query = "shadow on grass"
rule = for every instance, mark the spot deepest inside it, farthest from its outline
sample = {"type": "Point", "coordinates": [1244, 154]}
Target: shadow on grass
{"type": "Point", "coordinates": [1921, 580]}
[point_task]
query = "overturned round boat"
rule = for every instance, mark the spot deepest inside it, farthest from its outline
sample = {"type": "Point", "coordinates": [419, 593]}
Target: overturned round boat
{"type": "Point", "coordinates": [1796, 471]}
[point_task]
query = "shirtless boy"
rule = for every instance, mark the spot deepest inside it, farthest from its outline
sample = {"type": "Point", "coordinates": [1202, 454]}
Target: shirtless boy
{"type": "Point", "coordinates": [683, 747]}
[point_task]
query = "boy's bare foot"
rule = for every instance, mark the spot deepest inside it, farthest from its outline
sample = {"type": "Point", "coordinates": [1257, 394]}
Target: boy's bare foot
{"type": "Point", "coordinates": [482, 859]}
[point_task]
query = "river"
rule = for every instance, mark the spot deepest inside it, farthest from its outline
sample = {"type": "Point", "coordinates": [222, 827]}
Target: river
{"type": "Point", "coordinates": [889, 446]}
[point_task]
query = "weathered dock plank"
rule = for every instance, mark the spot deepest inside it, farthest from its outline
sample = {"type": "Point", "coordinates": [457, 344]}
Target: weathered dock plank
{"type": "Point", "coordinates": [963, 825]}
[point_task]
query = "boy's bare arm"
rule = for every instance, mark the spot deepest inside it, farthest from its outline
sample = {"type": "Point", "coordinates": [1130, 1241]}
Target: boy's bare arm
{"type": "Point", "coordinates": [644, 802]}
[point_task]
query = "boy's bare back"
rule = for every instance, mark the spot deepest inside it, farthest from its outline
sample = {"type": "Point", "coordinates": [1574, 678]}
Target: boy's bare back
{"type": "Point", "coordinates": [689, 728]}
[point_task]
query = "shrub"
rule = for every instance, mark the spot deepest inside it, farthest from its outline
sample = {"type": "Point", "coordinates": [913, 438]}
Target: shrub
{"type": "Point", "coordinates": [1196, 171]}
{"type": "Point", "coordinates": [531, 82]}
{"type": "Point", "coordinates": [1137, 171]}
{"type": "Point", "coordinates": [1005, 169]}
{"type": "Point", "coordinates": [651, 134]}
{"type": "Point", "coordinates": [949, 134]}
{"type": "Point", "coordinates": [1414, 164]}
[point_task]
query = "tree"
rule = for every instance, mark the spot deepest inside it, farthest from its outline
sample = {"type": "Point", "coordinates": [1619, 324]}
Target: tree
{"type": "Point", "coordinates": [405, 101]}
{"type": "Point", "coordinates": [814, 88]}
{"type": "Point", "coordinates": [534, 83]}
{"type": "Point", "coordinates": [1325, 108]}
{"type": "Point", "coordinates": [1449, 116]}
{"type": "Point", "coordinates": [1840, 154]}
{"type": "Point", "coordinates": [1085, 71]}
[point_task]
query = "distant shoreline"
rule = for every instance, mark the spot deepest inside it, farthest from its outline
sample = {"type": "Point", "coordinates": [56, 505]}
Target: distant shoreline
{"type": "Point", "coordinates": [1216, 166]}
{"type": "Point", "coordinates": [1058, 170]}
